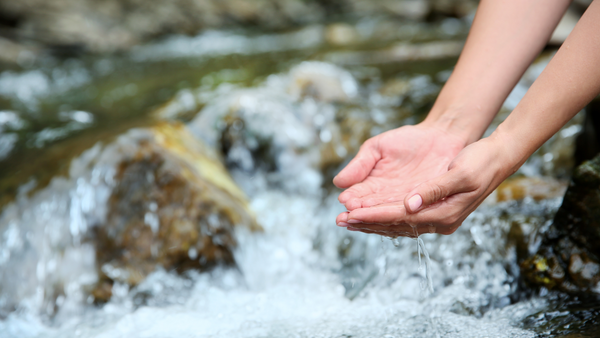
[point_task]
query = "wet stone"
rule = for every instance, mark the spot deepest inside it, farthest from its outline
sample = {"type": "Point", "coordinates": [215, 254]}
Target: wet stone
{"type": "Point", "coordinates": [538, 188]}
{"type": "Point", "coordinates": [173, 206]}
{"type": "Point", "coordinates": [568, 258]}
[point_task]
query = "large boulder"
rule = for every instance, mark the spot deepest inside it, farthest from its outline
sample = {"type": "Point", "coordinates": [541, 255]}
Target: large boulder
{"type": "Point", "coordinates": [155, 198]}
{"type": "Point", "coordinates": [568, 258]}
{"type": "Point", "coordinates": [174, 206]}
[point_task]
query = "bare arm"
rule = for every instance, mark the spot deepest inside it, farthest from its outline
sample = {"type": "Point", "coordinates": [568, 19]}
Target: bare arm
{"type": "Point", "coordinates": [569, 82]}
{"type": "Point", "coordinates": [505, 38]}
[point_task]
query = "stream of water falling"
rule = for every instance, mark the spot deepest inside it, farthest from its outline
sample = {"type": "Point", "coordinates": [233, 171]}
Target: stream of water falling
{"type": "Point", "coordinates": [302, 276]}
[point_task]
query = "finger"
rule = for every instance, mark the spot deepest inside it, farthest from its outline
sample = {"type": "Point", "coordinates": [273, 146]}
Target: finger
{"type": "Point", "coordinates": [360, 166]}
{"type": "Point", "coordinates": [352, 204]}
{"type": "Point", "coordinates": [393, 213]}
{"type": "Point", "coordinates": [447, 215]}
{"type": "Point", "coordinates": [342, 220]}
{"type": "Point", "coordinates": [437, 189]}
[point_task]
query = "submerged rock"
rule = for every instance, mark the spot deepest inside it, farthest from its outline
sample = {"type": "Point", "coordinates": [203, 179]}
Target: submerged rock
{"type": "Point", "coordinates": [568, 258]}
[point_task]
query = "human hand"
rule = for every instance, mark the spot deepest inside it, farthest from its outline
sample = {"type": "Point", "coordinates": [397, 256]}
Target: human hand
{"type": "Point", "coordinates": [442, 203]}
{"type": "Point", "coordinates": [387, 168]}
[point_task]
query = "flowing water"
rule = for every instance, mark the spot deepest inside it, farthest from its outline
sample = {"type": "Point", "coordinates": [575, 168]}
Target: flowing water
{"type": "Point", "coordinates": [302, 276]}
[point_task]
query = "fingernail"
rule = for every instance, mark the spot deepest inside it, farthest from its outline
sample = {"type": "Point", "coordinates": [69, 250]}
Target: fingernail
{"type": "Point", "coordinates": [414, 203]}
{"type": "Point", "coordinates": [352, 229]}
{"type": "Point", "coordinates": [343, 224]}
{"type": "Point", "coordinates": [354, 221]}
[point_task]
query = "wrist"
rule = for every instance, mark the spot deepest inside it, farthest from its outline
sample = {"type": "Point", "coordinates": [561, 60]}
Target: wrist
{"type": "Point", "coordinates": [511, 152]}
{"type": "Point", "coordinates": [455, 122]}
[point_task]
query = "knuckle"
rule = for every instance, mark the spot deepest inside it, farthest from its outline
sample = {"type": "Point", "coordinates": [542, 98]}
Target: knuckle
{"type": "Point", "coordinates": [437, 192]}
{"type": "Point", "coordinates": [467, 178]}
{"type": "Point", "coordinates": [368, 144]}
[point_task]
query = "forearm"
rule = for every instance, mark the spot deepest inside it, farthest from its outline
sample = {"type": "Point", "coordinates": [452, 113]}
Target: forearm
{"type": "Point", "coordinates": [569, 82]}
{"type": "Point", "coordinates": [505, 38]}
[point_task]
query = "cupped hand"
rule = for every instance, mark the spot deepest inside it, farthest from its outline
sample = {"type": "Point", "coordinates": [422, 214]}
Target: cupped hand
{"type": "Point", "coordinates": [439, 204]}
{"type": "Point", "coordinates": [388, 167]}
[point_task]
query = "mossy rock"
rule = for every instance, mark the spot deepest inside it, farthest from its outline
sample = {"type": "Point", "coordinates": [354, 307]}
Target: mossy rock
{"type": "Point", "coordinates": [173, 206]}
{"type": "Point", "coordinates": [568, 258]}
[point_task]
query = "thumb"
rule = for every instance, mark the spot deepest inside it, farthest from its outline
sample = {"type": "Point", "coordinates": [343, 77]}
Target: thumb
{"type": "Point", "coordinates": [434, 190]}
{"type": "Point", "coordinates": [360, 167]}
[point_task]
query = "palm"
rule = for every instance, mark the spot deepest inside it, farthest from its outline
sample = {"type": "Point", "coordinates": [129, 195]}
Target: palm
{"type": "Point", "coordinates": [399, 160]}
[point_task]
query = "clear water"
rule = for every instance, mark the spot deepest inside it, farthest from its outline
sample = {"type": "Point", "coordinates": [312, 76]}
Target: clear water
{"type": "Point", "coordinates": [302, 276]}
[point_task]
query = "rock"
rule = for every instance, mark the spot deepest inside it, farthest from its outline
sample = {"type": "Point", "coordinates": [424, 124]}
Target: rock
{"type": "Point", "coordinates": [323, 81]}
{"type": "Point", "coordinates": [538, 188]}
{"type": "Point", "coordinates": [402, 92]}
{"type": "Point", "coordinates": [295, 129]}
{"type": "Point", "coordinates": [292, 128]}
{"type": "Point", "coordinates": [568, 258]}
{"type": "Point", "coordinates": [154, 198]}
{"type": "Point", "coordinates": [341, 34]}
{"type": "Point", "coordinates": [587, 143]}
{"type": "Point", "coordinates": [396, 88]}
{"type": "Point", "coordinates": [354, 127]}
{"type": "Point", "coordinates": [173, 206]}
{"type": "Point", "coordinates": [15, 53]}
{"type": "Point", "coordinates": [114, 25]}
{"type": "Point", "coordinates": [73, 26]}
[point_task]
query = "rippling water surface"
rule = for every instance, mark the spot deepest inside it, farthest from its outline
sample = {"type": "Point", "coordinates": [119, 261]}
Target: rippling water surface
{"type": "Point", "coordinates": [302, 276]}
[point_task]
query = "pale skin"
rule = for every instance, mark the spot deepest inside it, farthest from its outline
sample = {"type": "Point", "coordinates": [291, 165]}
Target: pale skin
{"type": "Point", "coordinates": [431, 176]}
